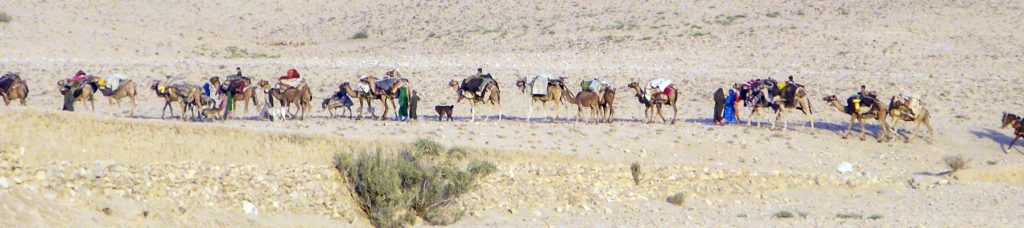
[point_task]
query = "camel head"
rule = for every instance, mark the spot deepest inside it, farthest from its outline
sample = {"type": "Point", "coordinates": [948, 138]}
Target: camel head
{"type": "Point", "coordinates": [1010, 120]}
{"type": "Point", "coordinates": [633, 85]}
{"type": "Point", "coordinates": [830, 98]}
{"type": "Point", "coordinates": [453, 84]}
{"type": "Point", "coordinates": [521, 84]}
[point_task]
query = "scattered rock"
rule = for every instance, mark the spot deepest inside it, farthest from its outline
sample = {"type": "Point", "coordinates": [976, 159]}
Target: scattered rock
{"type": "Point", "coordinates": [844, 167]}
{"type": "Point", "coordinates": [249, 208]}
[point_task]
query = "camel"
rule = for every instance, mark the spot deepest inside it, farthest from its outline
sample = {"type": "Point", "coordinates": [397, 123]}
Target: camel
{"type": "Point", "coordinates": [301, 97]}
{"type": "Point", "coordinates": [365, 98]}
{"type": "Point", "coordinates": [332, 103]}
{"type": "Point", "coordinates": [114, 95]}
{"type": "Point", "coordinates": [900, 112]}
{"type": "Point", "coordinates": [82, 93]}
{"type": "Point", "coordinates": [659, 100]}
{"type": "Point", "coordinates": [1013, 121]}
{"type": "Point", "coordinates": [877, 112]}
{"type": "Point", "coordinates": [246, 96]}
{"type": "Point", "coordinates": [12, 87]}
{"type": "Point", "coordinates": [600, 104]}
{"type": "Point", "coordinates": [389, 96]}
{"type": "Point", "coordinates": [185, 95]}
{"type": "Point", "coordinates": [780, 107]}
{"type": "Point", "coordinates": [556, 92]}
{"type": "Point", "coordinates": [491, 94]}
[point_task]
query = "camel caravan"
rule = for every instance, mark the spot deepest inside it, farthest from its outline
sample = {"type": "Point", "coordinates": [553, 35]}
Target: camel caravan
{"type": "Point", "coordinates": [290, 97]}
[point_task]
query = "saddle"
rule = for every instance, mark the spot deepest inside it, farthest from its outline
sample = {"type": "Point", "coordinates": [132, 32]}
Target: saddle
{"type": "Point", "coordinates": [861, 104]}
{"type": "Point", "coordinates": [238, 85]}
{"type": "Point", "coordinates": [387, 84]}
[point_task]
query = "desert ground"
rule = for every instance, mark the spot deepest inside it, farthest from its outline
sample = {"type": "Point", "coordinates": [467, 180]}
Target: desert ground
{"type": "Point", "coordinates": [103, 168]}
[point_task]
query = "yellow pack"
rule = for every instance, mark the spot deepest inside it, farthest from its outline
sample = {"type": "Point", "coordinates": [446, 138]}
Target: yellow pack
{"type": "Point", "coordinates": [856, 103]}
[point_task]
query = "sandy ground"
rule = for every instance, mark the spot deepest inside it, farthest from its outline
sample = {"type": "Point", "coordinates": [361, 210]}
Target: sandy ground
{"type": "Point", "coordinates": [963, 58]}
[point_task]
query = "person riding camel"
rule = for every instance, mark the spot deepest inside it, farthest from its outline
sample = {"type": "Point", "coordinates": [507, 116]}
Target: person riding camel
{"type": "Point", "coordinates": [291, 79]}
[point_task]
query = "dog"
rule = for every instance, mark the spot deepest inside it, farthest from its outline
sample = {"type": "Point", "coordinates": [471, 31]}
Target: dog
{"type": "Point", "coordinates": [212, 113]}
{"type": "Point", "coordinates": [444, 110]}
{"type": "Point", "coordinates": [274, 114]}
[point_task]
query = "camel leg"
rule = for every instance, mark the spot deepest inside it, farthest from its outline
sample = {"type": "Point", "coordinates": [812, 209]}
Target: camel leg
{"type": "Point", "coordinates": [863, 133]}
{"type": "Point", "coordinates": [164, 109]}
{"type": "Point", "coordinates": [931, 131]}
{"type": "Point", "coordinates": [1011, 143]}
{"type": "Point", "coordinates": [529, 114]}
{"type": "Point", "coordinates": [132, 112]}
{"type": "Point", "coordinates": [849, 127]}
{"type": "Point", "coordinates": [917, 127]}
{"type": "Point", "coordinates": [360, 116]}
{"type": "Point", "coordinates": [472, 112]}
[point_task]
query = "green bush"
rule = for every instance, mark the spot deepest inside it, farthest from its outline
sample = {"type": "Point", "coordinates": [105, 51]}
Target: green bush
{"type": "Point", "coordinates": [457, 153]}
{"type": "Point", "coordinates": [481, 168]}
{"type": "Point", "coordinates": [427, 147]}
{"type": "Point", "coordinates": [394, 189]}
{"type": "Point", "coordinates": [677, 199]}
{"type": "Point", "coordinates": [360, 35]}
{"type": "Point", "coordinates": [783, 214]}
{"type": "Point", "coordinates": [4, 17]}
{"type": "Point", "coordinates": [849, 216]}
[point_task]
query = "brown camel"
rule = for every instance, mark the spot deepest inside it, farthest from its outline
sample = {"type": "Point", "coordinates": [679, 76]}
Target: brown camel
{"type": "Point", "coordinates": [389, 96]}
{"type": "Point", "coordinates": [114, 95]}
{"type": "Point", "coordinates": [780, 107]}
{"type": "Point", "coordinates": [556, 94]}
{"type": "Point", "coordinates": [607, 104]}
{"type": "Point", "coordinates": [248, 95]}
{"type": "Point", "coordinates": [656, 102]}
{"type": "Point", "coordinates": [83, 92]}
{"type": "Point", "coordinates": [301, 97]}
{"type": "Point", "coordinates": [12, 87]}
{"type": "Point", "coordinates": [187, 96]}
{"type": "Point", "coordinates": [877, 112]}
{"type": "Point", "coordinates": [365, 99]}
{"type": "Point", "coordinates": [1013, 121]}
{"type": "Point", "coordinates": [469, 89]}
{"type": "Point", "coordinates": [600, 104]}
{"type": "Point", "coordinates": [901, 112]}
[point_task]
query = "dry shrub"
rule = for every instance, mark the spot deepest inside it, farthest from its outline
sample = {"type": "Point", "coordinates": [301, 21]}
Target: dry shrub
{"type": "Point", "coordinates": [481, 168]}
{"type": "Point", "coordinates": [4, 18]}
{"type": "Point", "coordinates": [956, 163]}
{"type": "Point", "coordinates": [427, 147]}
{"type": "Point", "coordinates": [394, 189]}
{"type": "Point", "coordinates": [678, 199]}
{"type": "Point", "coordinates": [635, 170]}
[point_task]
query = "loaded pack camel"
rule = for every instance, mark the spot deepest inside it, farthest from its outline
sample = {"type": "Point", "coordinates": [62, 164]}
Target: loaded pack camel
{"type": "Point", "coordinates": [185, 95]}
{"type": "Point", "coordinates": [302, 97]}
{"type": "Point", "coordinates": [656, 102]}
{"type": "Point", "coordinates": [877, 111]}
{"type": "Point", "coordinates": [12, 87]}
{"type": "Point", "coordinates": [791, 98]}
{"type": "Point", "coordinates": [478, 91]}
{"type": "Point", "coordinates": [83, 91]}
{"type": "Point", "coordinates": [899, 111]}
{"type": "Point", "coordinates": [365, 98]}
{"type": "Point", "coordinates": [126, 89]}
{"type": "Point", "coordinates": [331, 103]}
{"type": "Point", "coordinates": [1013, 121]}
{"type": "Point", "coordinates": [248, 94]}
{"type": "Point", "coordinates": [556, 94]}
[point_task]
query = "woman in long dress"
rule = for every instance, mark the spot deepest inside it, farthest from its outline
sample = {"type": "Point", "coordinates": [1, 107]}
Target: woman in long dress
{"type": "Point", "coordinates": [729, 114]}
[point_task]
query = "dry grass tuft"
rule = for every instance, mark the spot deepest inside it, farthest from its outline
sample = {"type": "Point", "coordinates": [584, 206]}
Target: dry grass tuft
{"type": "Point", "coordinates": [635, 170]}
{"type": "Point", "coordinates": [678, 199]}
{"type": "Point", "coordinates": [956, 163]}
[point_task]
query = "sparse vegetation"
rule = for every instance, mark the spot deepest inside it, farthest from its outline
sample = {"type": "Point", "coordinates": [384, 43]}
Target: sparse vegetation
{"type": "Point", "coordinates": [4, 18]}
{"type": "Point", "coordinates": [875, 217]}
{"type": "Point", "coordinates": [481, 168]}
{"type": "Point", "coordinates": [678, 199]}
{"type": "Point", "coordinates": [728, 20]}
{"type": "Point", "coordinates": [773, 14]}
{"type": "Point", "coordinates": [635, 170]}
{"type": "Point", "coordinates": [849, 216]}
{"type": "Point", "coordinates": [360, 35]}
{"type": "Point", "coordinates": [457, 153]}
{"type": "Point", "coordinates": [783, 214]}
{"type": "Point", "coordinates": [239, 53]}
{"type": "Point", "coordinates": [427, 147]}
{"type": "Point", "coordinates": [393, 189]}
{"type": "Point", "coordinates": [956, 163]}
